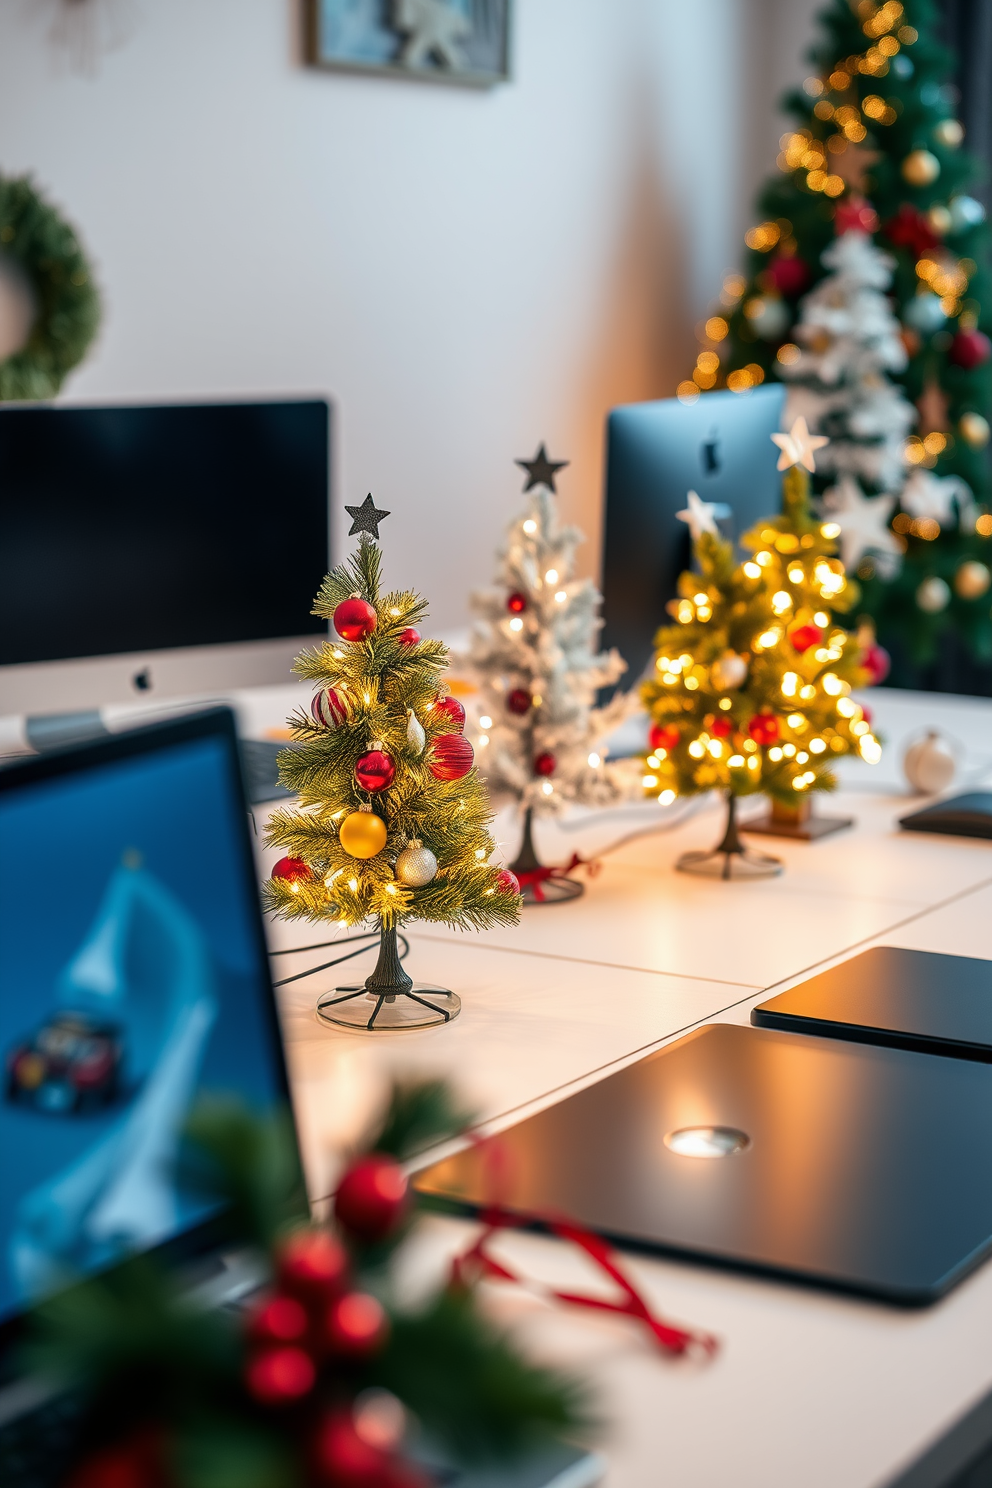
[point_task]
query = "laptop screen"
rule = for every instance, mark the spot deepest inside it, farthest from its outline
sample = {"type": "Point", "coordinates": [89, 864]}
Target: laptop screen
{"type": "Point", "coordinates": [133, 983]}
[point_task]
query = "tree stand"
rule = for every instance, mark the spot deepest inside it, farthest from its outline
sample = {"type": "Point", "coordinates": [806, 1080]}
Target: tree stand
{"type": "Point", "coordinates": [731, 859]}
{"type": "Point", "coordinates": [538, 884]}
{"type": "Point", "coordinates": [389, 998]}
{"type": "Point", "coordinates": [800, 822]}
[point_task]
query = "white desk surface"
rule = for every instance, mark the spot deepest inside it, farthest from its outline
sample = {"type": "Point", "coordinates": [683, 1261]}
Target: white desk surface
{"type": "Point", "coordinates": [807, 1389]}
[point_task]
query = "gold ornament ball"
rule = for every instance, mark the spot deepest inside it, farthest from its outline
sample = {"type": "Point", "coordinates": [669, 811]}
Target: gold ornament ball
{"type": "Point", "coordinates": [940, 220]}
{"type": "Point", "coordinates": [416, 865]}
{"type": "Point", "coordinates": [972, 579]}
{"type": "Point", "coordinates": [920, 168]}
{"type": "Point", "coordinates": [362, 834]}
{"type": "Point", "coordinates": [974, 430]}
{"type": "Point", "coordinates": [949, 132]}
{"type": "Point", "coordinates": [933, 595]}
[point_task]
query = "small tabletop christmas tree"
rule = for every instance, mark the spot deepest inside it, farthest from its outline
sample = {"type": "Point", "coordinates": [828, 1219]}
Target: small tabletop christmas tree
{"type": "Point", "coordinates": [752, 683]}
{"type": "Point", "coordinates": [536, 659]}
{"type": "Point", "coordinates": [392, 819]}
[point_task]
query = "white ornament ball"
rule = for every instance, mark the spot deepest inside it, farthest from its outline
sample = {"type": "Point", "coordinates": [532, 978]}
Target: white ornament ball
{"type": "Point", "coordinates": [925, 313]}
{"type": "Point", "coordinates": [331, 707]}
{"type": "Point", "coordinates": [728, 671]}
{"type": "Point", "coordinates": [933, 595]}
{"type": "Point", "coordinates": [416, 865]}
{"type": "Point", "coordinates": [974, 430]}
{"type": "Point", "coordinates": [972, 579]}
{"type": "Point", "coordinates": [949, 132]}
{"type": "Point", "coordinates": [929, 764]}
{"type": "Point", "coordinates": [769, 315]}
{"type": "Point", "coordinates": [965, 212]}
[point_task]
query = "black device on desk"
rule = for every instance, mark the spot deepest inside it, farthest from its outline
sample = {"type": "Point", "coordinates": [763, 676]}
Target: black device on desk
{"type": "Point", "coordinates": [856, 1168]}
{"type": "Point", "coordinates": [969, 815]}
{"type": "Point", "coordinates": [656, 453]}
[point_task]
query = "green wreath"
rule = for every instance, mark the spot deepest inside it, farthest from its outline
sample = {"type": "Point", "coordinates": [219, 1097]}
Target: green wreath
{"type": "Point", "coordinates": [67, 306]}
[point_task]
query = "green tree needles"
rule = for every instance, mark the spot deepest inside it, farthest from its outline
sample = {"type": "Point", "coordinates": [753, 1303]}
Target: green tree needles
{"type": "Point", "coordinates": [382, 694]}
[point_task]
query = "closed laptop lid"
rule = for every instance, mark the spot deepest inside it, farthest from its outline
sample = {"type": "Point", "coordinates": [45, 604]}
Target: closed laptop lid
{"type": "Point", "coordinates": [852, 1167]}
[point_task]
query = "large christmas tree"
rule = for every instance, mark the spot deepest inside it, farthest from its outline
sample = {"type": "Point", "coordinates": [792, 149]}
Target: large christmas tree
{"type": "Point", "coordinates": [391, 819]}
{"type": "Point", "coordinates": [876, 147]}
{"type": "Point", "coordinates": [752, 683]}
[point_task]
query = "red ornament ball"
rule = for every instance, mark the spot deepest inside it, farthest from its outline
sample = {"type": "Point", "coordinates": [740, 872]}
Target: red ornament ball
{"type": "Point", "coordinates": [451, 757]}
{"type": "Point", "coordinates": [763, 728]}
{"type": "Point", "coordinates": [507, 882]}
{"type": "Point", "coordinates": [343, 1458]}
{"type": "Point", "coordinates": [355, 619]}
{"type": "Point", "coordinates": [855, 214]}
{"type": "Point", "coordinates": [450, 709]}
{"type": "Point", "coordinates": [516, 603]}
{"type": "Point", "coordinates": [789, 275]}
{"type": "Point", "coordinates": [279, 1319]}
{"type": "Point", "coordinates": [910, 229]}
{"type": "Point", "coordinates": [805, 636]}
{"type": "Point", "coordinates": [313, 1266]}
{"type": "Point", "coordinates": [663, 736]}
{"type": "Point", "coordinates": [519, 701]}
{"type": "Point", "coordinates": [291, 869]}
{"type": "Point", "coordinates": [721, 728]}
{"type": "Point", "coordinates": [408, 637]}
{"type": "Point", "coordinates": [375, 771]}
{"type": "Point", "coordinates": [876, 662]}
{"type": "Point", "coordinates": [331, 707]}
{"type": "Point", "coordinates": [356, 1325]}
{"type": "Point", "coordinates": [279, 1376]}
{"type": "Point", "coordinates": [371, 1197]}
{"type": "Point", "coordinates": [970, 349]}
{"type": "Point", "coordinates": [545, 763]}
{"type": "Point", "coordinates": [136, 1463]}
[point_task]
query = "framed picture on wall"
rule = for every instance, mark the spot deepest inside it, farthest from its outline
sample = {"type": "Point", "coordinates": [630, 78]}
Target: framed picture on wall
{"type": "Point", "coordinates": [453, 41]}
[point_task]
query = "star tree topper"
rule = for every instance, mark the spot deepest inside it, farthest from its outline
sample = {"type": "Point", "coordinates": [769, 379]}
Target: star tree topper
{"type": "Point", "coordinates": [541, 471]}
{"type": "Point", "coordinates": [701, 515]}
{"type": "Point", "coordinates": [799, 446]}
{"type": "Point", "coordinates": [365, 518]}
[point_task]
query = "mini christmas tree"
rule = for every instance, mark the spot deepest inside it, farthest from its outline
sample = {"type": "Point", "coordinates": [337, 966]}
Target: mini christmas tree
{"type": "Point", "coordinates": [752, 684]}
{"type": "Point", "coordinates": [391, 821]}
{"type": "Point", "coordinates": [535, 655]}
{"type": "Point", "coordinates": [875, 145]}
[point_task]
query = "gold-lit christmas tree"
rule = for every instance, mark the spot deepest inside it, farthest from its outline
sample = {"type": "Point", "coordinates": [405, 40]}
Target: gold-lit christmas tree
{"type": "Point", "coordinates": [391, 821]}
{"type": "Point", "coordinates": [751, 686]}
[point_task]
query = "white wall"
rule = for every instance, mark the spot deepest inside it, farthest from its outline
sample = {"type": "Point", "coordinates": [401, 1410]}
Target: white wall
{"type": "Point", "coordinates": [465, 273]}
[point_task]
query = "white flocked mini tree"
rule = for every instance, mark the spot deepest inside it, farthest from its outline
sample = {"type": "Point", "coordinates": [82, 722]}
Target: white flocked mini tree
{"type": "Point", "coordinates": [535, 655]}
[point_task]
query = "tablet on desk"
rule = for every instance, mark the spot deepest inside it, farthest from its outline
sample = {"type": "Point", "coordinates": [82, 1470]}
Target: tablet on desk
{"type": "Point", "coordinates": [861, 1169]}
{"type": "Point", "coordinates": [887, 995]}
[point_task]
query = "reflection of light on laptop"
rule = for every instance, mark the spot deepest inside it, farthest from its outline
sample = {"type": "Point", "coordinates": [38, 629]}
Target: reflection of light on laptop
{"type": "Point", "coordinates": [706, 1141]}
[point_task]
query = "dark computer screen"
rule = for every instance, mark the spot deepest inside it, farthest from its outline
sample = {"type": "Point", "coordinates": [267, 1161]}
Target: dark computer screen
{"type": "Point", "coordinates": [139, 529]}
{"type": "Point", "coordinates": [133, 982]}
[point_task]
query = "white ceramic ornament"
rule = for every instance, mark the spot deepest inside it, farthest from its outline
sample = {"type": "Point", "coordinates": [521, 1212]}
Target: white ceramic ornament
{"type": "Point", "coordinates": [415, 736]}
{"type": "Point", "coordinates": [416, 865]}
{"type": "Point", "coordinates": [331, 707]}
{"type": "Point", "coordinates": [929, 764]}
{"type": "Point", "coordinates": [728, 671]}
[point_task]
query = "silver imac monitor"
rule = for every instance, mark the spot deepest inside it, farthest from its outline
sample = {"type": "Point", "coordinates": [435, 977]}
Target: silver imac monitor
{"type": "Point", "coordinates": [157, 552]}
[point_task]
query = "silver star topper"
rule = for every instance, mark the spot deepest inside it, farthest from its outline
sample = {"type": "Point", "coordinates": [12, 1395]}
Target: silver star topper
{"type": "Point", "coordinates": [799, 446]}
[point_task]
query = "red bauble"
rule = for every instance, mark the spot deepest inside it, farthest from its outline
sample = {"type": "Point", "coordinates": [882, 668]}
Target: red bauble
{"type": "Point", "coordinates": [280, 1376]}
{"type": "Point", "coordinates": [451, 757]}
{"type": "Point", "coordinates": [516, 603]}
{"type": "Point", "coordinates": [910, 229]}
{"type": "Point", "coordinates": [876, 662]}
{"type": "Point", "coordinates": [343, 1458]}
{"type": "Point", "coordinates": [970, 349]}
{"type": "Point", "coordinates": [519, 701]}
{"type": "Point", "coordinates": [763, 728]}
{"type": "Point", "coordinates": [371, 1197]}
{"type": "Point", "coordinates": [313, 1266]}
{"type": "Point", "coordinates": [408, 637]}
{"type": "Point", "coordinates": [355, 619]}
{"type": "Point", "coordinates": [854, 214]}
{"type": "Point", "coordinates": [136, 1463]}
{"type": "Point", "coordinates": [805, 636]}
{"type": "Point", "coordinates": [789, 275]}
{"type": "Point", "coordinates": [356, 1325]}
{"type": "Point", "coordinates": [291, 869]}
{"type": "Point", "coordinates": [451, 709]}
{"type": "Point", "coordinates": [507, 882]}
{"type": "Point", "coordinates": [545, 763]}
{"type": "Point", "coordinates": [375, 771]}
{"type": "Point", "coordinates": [663, 736]}
{"type": "Point", "coordinates": [279, 1319]}
{"type": "Point", "coordinates": [721, 728]}
{"type": "Point", "coordinates": [331, 707]}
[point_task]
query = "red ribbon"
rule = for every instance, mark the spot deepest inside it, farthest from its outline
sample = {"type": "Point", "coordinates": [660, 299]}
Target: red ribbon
{"type": "Point", "coordinates": [534, 878]}
{"type": "Point", "coordinates": [476, 1263]}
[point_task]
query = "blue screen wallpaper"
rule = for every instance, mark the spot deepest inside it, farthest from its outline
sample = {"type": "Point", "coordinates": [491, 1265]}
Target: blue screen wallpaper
{"type": "Point", "coordinates": [130, 986]}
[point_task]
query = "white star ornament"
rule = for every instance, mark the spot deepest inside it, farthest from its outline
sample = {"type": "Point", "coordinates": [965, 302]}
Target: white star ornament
{"type": "Point", "coordinates": [799, 446]}
{"type": "Point", "coordinates": [701, 516]}
{"type": "Point", "coordinates": [863, 521]}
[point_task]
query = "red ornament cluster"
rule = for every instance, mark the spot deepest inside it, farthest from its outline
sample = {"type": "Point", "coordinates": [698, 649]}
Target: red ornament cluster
{"type": "Point", "coordinates": [372, 1197]}
{"type": "Point", "coordinates": [910, 229]}
{"type": "Point", "coordinates": [291, 870]}
{"type": "Point", "coordinates": [375, 771]}
{"type": "Point", "coordinates": [451, 757]}
{"type": "Point", "coordinates": [355, 619]}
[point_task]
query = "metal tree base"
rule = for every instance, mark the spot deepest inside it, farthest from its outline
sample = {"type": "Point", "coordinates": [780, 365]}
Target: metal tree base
{"type": "Point", "coordinates": [731, 860]}
{"type": "Point", "coordinates": [527, 864]}
{"type": "Point", "coordinates": [388, 998]}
